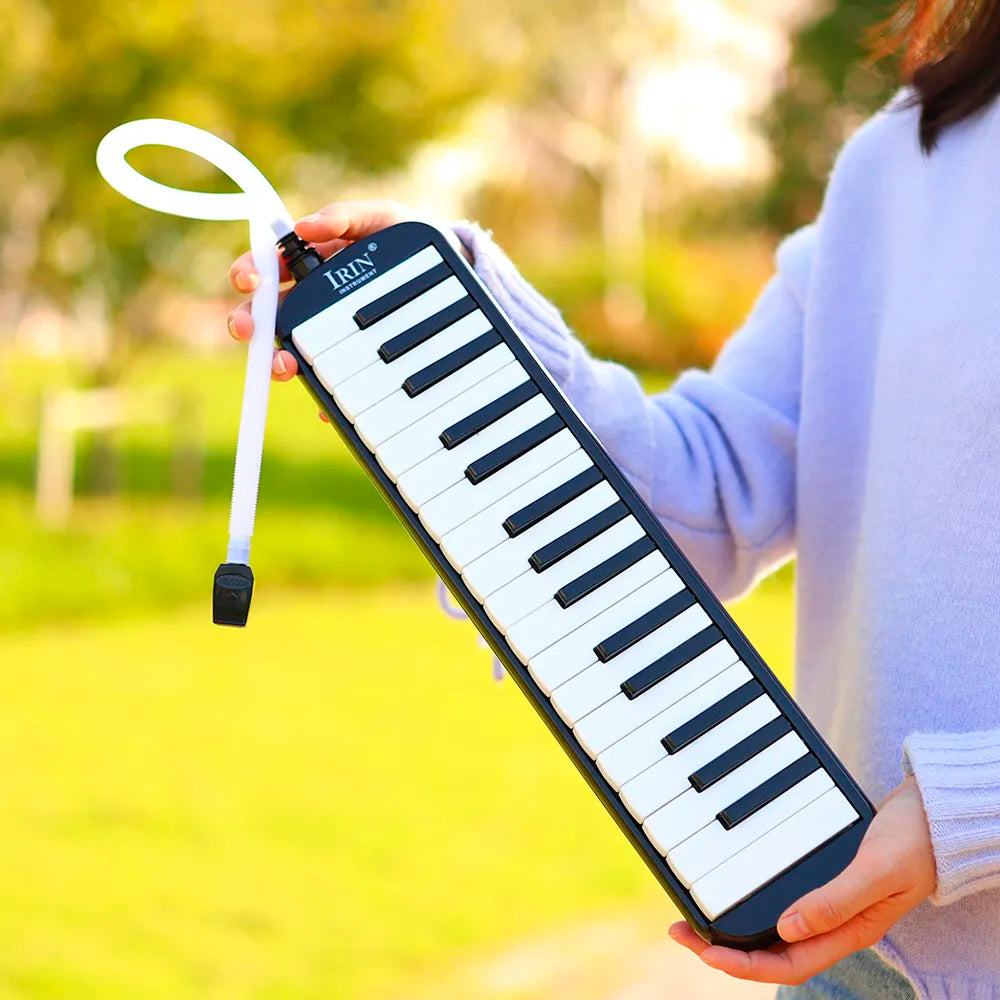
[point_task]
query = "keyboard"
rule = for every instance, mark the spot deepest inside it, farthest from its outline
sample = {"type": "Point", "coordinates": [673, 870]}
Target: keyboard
{"type": "Point", "coordinates": [710, 769]}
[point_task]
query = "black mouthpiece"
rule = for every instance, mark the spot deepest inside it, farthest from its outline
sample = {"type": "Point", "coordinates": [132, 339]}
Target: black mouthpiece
{"type": "Point", "coordinates": [231, 594]}
{"type": "Point", "coordinates": [301, 257]}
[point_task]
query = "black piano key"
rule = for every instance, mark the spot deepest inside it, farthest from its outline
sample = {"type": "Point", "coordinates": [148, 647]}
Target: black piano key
{"type": "Point", "coordinates": [428, 377]}
{"type": "Point", "coordinates": [670, 662]}
{"type": "Point", "coordinates": [549, 555]}
{"type": "Point", "coordinates": [589, 582]}
{"type": "Point", "coordinates": [463, 429]}
{"type": "Point", "coordinates": [723, 709]}
{"type": "Point", "coordinates": [391, 301]}
{"type": "Point", "coordinates": [396, 347]}
{"type": "Point", "coordinates": [764, 795]}
{"type": "Point", "coordinates": [738, 755]}
{"type": "Point", "coordinates": [609, 648]}
{"type": "Point", "coordinates": [499, 458]}
{"type": "Point", "coordinates": [538, 510]}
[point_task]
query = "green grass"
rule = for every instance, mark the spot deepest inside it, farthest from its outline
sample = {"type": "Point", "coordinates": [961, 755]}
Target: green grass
{"type": "Point", "coordinates": [320, 521]}
{"type": "Point", "coordinates": [334, 803]}
{"type": "Point", "coordinates": [337, 802]}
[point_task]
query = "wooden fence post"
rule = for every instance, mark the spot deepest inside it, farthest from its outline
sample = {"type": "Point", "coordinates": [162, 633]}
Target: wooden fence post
{"type": "Point", "coordinates": [65, 413]}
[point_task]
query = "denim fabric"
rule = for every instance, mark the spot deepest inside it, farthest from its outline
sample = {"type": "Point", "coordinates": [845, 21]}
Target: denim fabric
{"type": "Point", "coordinates": [862, 976]}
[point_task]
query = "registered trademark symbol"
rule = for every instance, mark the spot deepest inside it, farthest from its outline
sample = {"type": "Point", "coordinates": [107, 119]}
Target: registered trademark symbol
{"type": "Point", "coordinates": [373, 246]}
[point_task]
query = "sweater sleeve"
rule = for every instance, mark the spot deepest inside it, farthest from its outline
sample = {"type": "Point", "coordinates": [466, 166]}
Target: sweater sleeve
{"type": "Point", "coordinates": [959, 780]}
{"type": "Point", "coordinates": [715, 455]}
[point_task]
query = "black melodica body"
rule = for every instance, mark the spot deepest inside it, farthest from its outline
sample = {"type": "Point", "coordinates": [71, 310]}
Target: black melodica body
{"type": "Point", "coordinates": [696, 750]}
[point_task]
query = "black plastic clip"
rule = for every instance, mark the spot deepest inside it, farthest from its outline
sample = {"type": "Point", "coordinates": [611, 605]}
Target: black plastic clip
{"type": "Point", "coordinates": [231, 594]}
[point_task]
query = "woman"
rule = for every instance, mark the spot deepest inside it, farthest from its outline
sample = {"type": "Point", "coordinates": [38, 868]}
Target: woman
{"type": "Point", "coordinates": [853, 421]}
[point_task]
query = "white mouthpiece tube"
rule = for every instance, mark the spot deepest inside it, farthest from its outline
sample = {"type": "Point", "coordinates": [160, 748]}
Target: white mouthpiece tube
{"type": "Point", "coordinates": [260, 205]}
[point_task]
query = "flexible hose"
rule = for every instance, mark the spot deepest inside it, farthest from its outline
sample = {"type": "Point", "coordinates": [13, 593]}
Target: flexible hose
{"type": "Point", "coordinates": [259, 204]}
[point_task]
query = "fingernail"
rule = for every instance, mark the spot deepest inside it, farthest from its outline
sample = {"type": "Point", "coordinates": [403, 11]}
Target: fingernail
{"type": "Point", "coordinates": [792, 927]}
{"type": "Point", "coordinates": [310, 218]}
{"type": "Point", "coordinates": [279, 365]}
{"type": "Point", "coordinates": [246, 281]}
{"type": "Point", "coordinates": [672, 931]}
{"type": "Point", "coordinates": [232, 327]}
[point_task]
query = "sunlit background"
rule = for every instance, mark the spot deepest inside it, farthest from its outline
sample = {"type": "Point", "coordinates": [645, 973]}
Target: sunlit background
{"type": "Point", "coordinates": [340, 802]}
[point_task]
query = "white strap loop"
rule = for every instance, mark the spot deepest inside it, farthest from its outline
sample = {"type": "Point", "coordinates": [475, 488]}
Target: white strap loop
{"type": "Point", "coordinates": [258, 199]}
{"type": "Point", "coordinates": [260, 205]}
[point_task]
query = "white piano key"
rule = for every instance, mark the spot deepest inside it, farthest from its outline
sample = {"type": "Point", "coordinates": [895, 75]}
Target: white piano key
{"type": "Point", "coordinates": [446, 467]}
{"type": "Point", "coordinates": [485, 532]}
{"type": "Point", "coordinates": [421, 440]}
{"type": "Point", "coordinates": [397, 411]}
{"type": "Point", "coordinates": [509, 560]}
{"type": "Point", "coordinates": [709, 848]}
{"type": "Point", "coordinates": [378, 380]}
{"type": "Point", "coordinates": [333, 324]}
{"type": "Point", "coordinates": [574, 652]}
{"type": "Point", "coordinates": [601, 682]}
{"type": "Point", "coordinates": [463, 500]}
{"type": "Point", "coordinates": [754, 866]}
{"type": "Point", "coordinates": [668, 777]}
{"type": "Point", "coordinates": [551, 622]}
{"type": "Point", "coordinates": [642, 748]}
{"type": "Point", "coordinates": [692, 811]}
{"type": "Point", "coordinates": [355, 353]}
{"type": "Point", "coordinates": [616, 718]}
{"type": "Point", "coordinates": [531, 590]}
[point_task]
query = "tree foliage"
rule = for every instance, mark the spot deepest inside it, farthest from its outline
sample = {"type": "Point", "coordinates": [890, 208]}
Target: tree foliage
{"type": "Point", "coordinates": [357, 84]}
{"type": "Point", "coordinates": [830, 88]}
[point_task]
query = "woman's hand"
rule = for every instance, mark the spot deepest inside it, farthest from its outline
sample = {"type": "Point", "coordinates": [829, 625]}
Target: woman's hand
{"type": "Point", "coordinates": [894, 871]}
{"type": "Point", "coordinates": [332, 228]}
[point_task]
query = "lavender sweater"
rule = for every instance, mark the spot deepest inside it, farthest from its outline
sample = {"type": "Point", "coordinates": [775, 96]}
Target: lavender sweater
{"type": "Point", "coordinates": [854, 423]}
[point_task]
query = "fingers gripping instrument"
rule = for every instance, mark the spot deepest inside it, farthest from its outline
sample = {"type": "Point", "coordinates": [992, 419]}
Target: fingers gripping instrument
{"type": "Point", "coordinates": [257, 203]}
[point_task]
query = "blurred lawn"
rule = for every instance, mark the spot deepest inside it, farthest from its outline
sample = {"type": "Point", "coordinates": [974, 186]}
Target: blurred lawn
{"type": "Point", "coordinates": [335, 803]}
{"type": "Point", "coordinates": [319, 521]}
{"type": "Point", "coordinates": [330, 804]}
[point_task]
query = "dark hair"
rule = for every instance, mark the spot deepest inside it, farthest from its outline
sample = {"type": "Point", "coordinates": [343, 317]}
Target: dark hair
{"type": "Point", "coordinates": [950, 55]}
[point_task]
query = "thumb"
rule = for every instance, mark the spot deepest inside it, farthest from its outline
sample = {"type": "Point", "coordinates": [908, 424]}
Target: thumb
{"type": "Point", "coordinates": [861, 884]}
{"type": "Point", "coordinates": [351, 220]}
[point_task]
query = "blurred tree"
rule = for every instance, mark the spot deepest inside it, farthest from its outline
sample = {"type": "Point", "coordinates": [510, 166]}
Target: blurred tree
{"type": "Point", "coordinates": [576, 117]}
{"type": "Point", "coordinates": [357, 83]}
{"type": "Point", "coordinates": [830, 88]}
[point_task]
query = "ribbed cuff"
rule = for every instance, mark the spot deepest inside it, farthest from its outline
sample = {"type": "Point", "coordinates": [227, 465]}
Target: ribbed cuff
{"type": "Point", "coordinates": [537, 320]}
{"type": "Point", "coordinates": [959, 780]}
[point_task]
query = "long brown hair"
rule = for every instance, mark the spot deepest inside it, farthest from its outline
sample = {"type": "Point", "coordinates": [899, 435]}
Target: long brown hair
{"type": "Point", "coordinates": [950, 54]}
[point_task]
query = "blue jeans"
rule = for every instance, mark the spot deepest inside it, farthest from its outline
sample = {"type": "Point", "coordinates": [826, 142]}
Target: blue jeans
{"type": "Point", "coordinates": [862, 976]}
